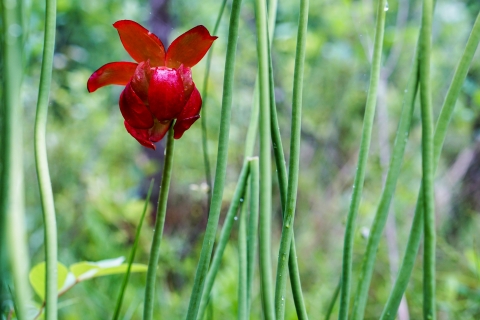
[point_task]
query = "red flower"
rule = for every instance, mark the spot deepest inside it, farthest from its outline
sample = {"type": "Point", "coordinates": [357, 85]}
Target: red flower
{"type": "Point", "coordinates": [159, 88]}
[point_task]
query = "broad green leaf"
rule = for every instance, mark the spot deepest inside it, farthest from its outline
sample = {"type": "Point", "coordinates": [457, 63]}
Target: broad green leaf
{"type": "Point", "coordinates": [86, 270]}
{"type": "Point", "coordinates": [37, 278]}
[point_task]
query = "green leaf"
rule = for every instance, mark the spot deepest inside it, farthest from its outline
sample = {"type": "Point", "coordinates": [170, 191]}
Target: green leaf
{"type": "Point", "coordinates": [37, 278]}
{"type": "Point", "coordinates": [87, 270]}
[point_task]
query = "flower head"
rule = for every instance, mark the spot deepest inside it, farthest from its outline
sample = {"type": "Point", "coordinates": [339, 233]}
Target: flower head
{"type": "Point", "coordinates": [159, 87]}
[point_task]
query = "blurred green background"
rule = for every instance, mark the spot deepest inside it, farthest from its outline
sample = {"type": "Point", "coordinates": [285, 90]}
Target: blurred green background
{"type": "Point", "coordinates": [100, 173]}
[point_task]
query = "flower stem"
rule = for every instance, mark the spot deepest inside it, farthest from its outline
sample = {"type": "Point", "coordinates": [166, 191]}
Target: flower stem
{"type": "Point", "coordinates": [265, 163]}
{"type": "Point", "coordinates": [12, 210]}
{"type": "Point", "coordinates": [387, 194]}
{"type": "Point", "coordinates": [203, 111]}
{"type": "Point", "coordinates": [252, 230]}
{"type": "Point", "coordinates": [46, 193]}
{"type": "Point", "coordinates": [242, 258]}
{"type": "Point", "coordinates": [214, 214]}
{"type": "Point", "coordinates": [159, 223]}
{"type": "Point", "coordinates": [224, 236]}
{"type": "Point", "coordinates": [118, 306]}
{"type": "Point", "coordinates": [289, 209]}
{"type": "Point", "coordinates": [427, 162]}
{"type": "Point", "coordinates": [362, 162]}
{"type": "Point", "coordinates": [443, 121]}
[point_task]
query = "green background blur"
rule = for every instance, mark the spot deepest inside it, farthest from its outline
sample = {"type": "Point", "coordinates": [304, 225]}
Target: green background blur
{"type": "Point", "coordinates": [100, 173]}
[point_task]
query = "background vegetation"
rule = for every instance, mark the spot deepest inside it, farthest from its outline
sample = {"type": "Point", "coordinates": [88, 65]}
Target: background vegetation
{"type": "Point", "coordinates": [100, 174]}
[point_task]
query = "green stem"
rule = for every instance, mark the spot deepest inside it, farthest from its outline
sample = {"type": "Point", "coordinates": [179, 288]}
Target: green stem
{"type": "Point", "coordinates": [387, 194]}
{"type": "Point", "coordinates": [293, 168]}
{"type": "Point", "coordinates": [427, 162]}
{"type": "Point", "coordinates": [242, 259]}
{"type": "Point", "coordinates": [46, 193]}
{"type": "Point", "coordinates": [362, 162]}
{"type": "Point", "coordinates": [252, 226]}
{"type": "Point", "coordinates": [282, 181]}
{"type": "Point", "coordinates": [118, 306]}
{"type": "Point", "coordinates": [334, 299]}
{"type": "Point", "coordinates": [443, 121]}
{"type": "Point", "coordinates": [12, 208]}
{"type": "Point", "coordinates": [203, 111]}
{"type": "Point", "coordinates": [216, 204]}
{"type": "Point", "coordinates": [159, 223]}
{"type": "Point", "coordinates": [265, 163]}
{"type": "Point", "coordinates": [224, 236]}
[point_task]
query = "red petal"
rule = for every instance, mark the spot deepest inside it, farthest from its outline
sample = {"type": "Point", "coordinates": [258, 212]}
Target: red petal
{"type": "Point", "coordinates": [189, 114]}
{"type": "Point", "coordinates": [140, 43]}
{"type": "Point", "coordinates": [189, 48]}
{"type": "Point", "coordinates": [141, 80]}
{"type": "Point", "coordinates": [186, 75]}
{"type": "Point", "coordinates": [134, 110]}
{"type": "Point", "coordinates": [147, 137]}
{"type": "Point", "coordinates": [166, 95]}
{"type": "Point", "coordinates": [112, 73]}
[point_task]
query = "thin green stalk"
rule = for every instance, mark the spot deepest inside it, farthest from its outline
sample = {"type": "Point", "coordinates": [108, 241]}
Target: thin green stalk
{"type": "Point", "coordinates": [294, 163]}
{"type": "Point", "coordinates": [282, 181]}
{"type": "Point", "coordinates": [242, 259]}
{"type": "Point", "coordinates": [45, 185]}
{"type": "Point", "coordinates": [118, 306]}
{"type": "Point", "coordinates": [12, 189]}
{"type": "Point", "coordinates": [203, 111]}
{"type": "Point", "coordinates": [265, 163]}
{"type": "Point", "coordinates": [224, 236]}
{"type": "Point", "coordinates": [427, 162]}
{"type": "Point", "coordinates": [216, 204]}
{"type": "Point", "coordinates": [443, 121]}
{"type": "Point", "coordinates": [159, 223]}
{"type": "Point", "coordinates": [252, 230]}
{"type": "Point", "coordinates": [334, 299]}
{"type": "Point", "coordinates": [362, 162]}
{"type": "Point", "coordinates": [387, 193]}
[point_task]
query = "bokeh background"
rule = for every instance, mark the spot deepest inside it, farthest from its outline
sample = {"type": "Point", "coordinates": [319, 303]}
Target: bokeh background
{"type": "Point", "coordinates": [100, 173]}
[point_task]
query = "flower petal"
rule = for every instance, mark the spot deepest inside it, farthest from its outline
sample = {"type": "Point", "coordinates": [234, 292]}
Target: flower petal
{"type": "Point", "coordinates": [166, 95]}
{"type": "Point", "coordinates": [147, 137]}
{"type": "Point", "coordinates": [189, 48]}
{"type": "Point", "coordinates": [112, 73]}
{"type": "Point", "coordinates": [134, 110]}
{"type": "Point", "coordinates": [141, 80]}
{"type": "Point", "coordinates": [189, 114]}
{"type": "Point", "coordinates": [140, 43]}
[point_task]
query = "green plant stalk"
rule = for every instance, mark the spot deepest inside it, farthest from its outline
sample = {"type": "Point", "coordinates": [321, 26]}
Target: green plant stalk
{"type": "Point", "coordinates": [118, 306]}
{"type": "Point", "coordinates": [159, 223]}
{"type": "Point", "coordinates": [427, 162]}
{"type": "Point", "coordinates": [294, 163]}
{"type": "Point", "coordinates": [282, 181]}
{"type": "Point", "coordinates": [252, 229]}
{"type": "Point", "coordinates": [203, 111]}
{"type": "Point", "coordinates": [12, 189]}
{"type": "Point", "coordinates": [362, 162]}
{"type": "Point", "coordinates": [242, 259]}
{"type": "Point", "coordinates": [443, 121]}
{"type": "Point", "coordinates": [224, 236]}
{"type": "Point", "coordinates": [214, 214]}
{"type": "Point", "coordinates": [41, 160]}
{"type": "Point", "coordinates": [265, 163]}
{"type": "Point", "coordinates": [331, 305]}
{"type": "Point", "coordinates": [387, 194]}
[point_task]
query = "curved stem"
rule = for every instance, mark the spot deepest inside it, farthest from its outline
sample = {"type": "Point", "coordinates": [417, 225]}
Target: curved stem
{"type": "Point", "coordinates": [291, 200]}
{"type": "Point", "coordinates": [46, 193]}
{"type": "Point", "coordinates": [381, 214]}
{"type": "Point", "coordinates": [203, 111]}
{"type": "Point", "coordinates": [252, 229]}
{"type": "Point", "coordinates": [216, 204]}
{"type": "Point", "coordinates": [242, 259]}
{"type": "Point", "coordinates": [159, 223]}
{"type": "Point", "coordinates": [443, 121]}
{"type": "Point", "coordinates": [362, 161]}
